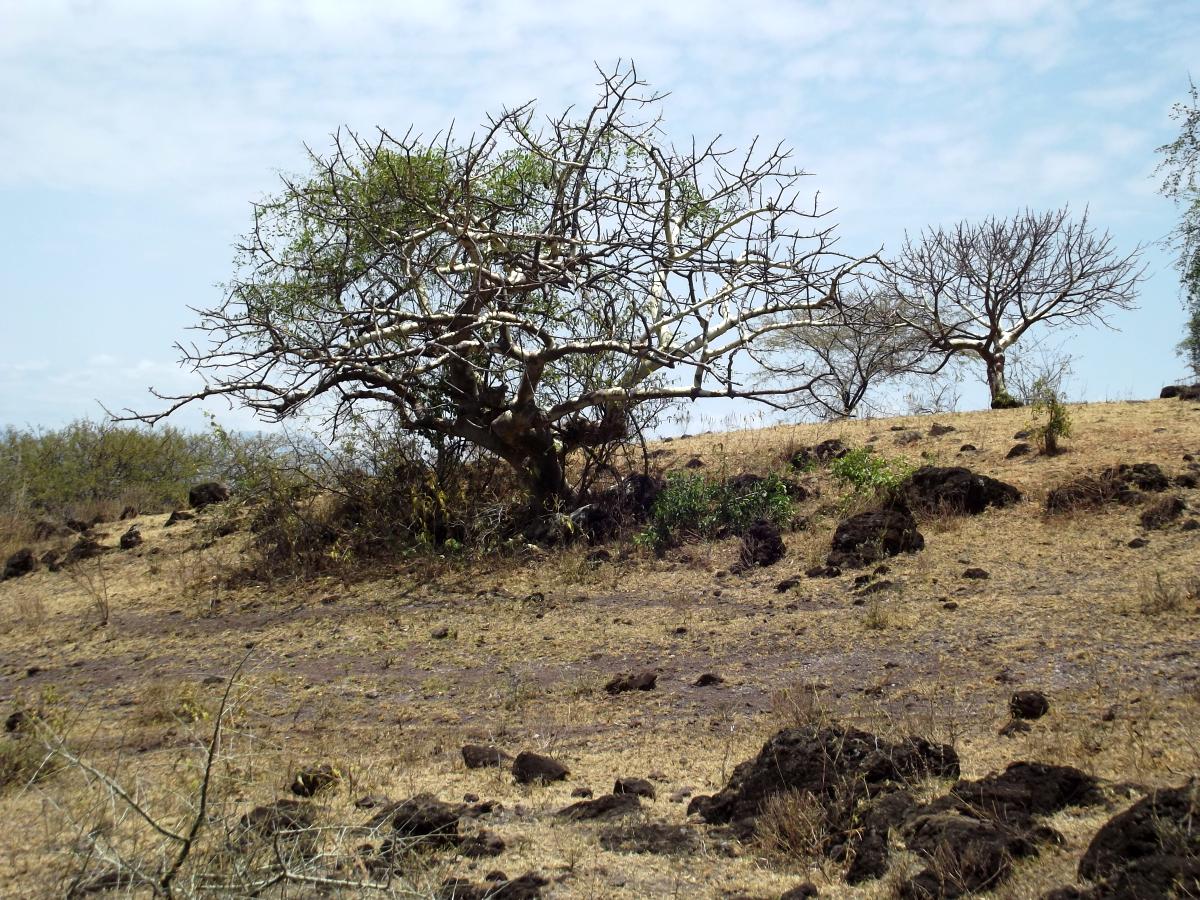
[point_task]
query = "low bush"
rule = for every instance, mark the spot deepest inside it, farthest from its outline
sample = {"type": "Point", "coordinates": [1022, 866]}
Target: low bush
{"type": "Point", "coordinates": [701, 506]}
{"type": "Point", "coordinates": [869, 474]}
{"type": "Point", "coordinates": [1051, 418]}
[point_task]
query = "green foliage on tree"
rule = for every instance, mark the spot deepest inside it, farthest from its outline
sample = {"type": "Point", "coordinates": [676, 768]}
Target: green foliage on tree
{"type": "Point", "coordinates": [1180, 165]}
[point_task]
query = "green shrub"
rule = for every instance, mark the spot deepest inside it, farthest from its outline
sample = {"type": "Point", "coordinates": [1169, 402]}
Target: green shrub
{"type": "Point", "coordinates": [1047, 403]}
{"type": "Point", "coordinates": [700, 506]}
{"type": "Point", "coordinates": [85, 465]}
{"type": "Point", "coordinates": [868, 473]}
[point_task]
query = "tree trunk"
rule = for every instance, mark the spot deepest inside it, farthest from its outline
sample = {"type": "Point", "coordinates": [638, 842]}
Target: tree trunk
{"type": "Point", "coordinates": [1001, 398]}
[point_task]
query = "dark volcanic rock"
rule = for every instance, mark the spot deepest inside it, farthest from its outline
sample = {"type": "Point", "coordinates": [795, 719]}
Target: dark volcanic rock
{"type": "Point", "coordinates": [954, 489]}
{"type": "Point", "coordinates": [482, 845]}
{"type": "Point", "coordinates": [651, 837]}
{"type": "Point", "coordinates": [476, 757]}
{"type": "Point", "coordinates": [530, 768]}
{"type": "Point", "coordinates": [20, 563]}
{"type": "Point", "coordinates": [602, 807]}
{"type": "Point", "coordinates": [823, 452]}
{"type": "Point", "coordinates": [976, 573]}
{"type": "Point", "coordinates": [637, 786]}
{"type": "Point", "coordinates": [708, 679]}
{"type": "Point", "coordinates": [85, 548]}
{"type": "Point", "coordinates": [273, 819]}
{"type": "Point", "coordinates": [1151, 850]}
{"type": "Point", "coordinates": [1028, 705]}
{"type": "Point", "coordinates": [968, 448]}
{"type": "Point", "coordinates": [1119, 484]}
{"type": "Point", "coordinates": [937, 430]}
{"type": "Point", "coordinates": [178, 515]}
{"type": "Point", "coordinates": [311, 781]}
{"type": "Point", "coordinates": [1021, 449]}
{"type": "Point", "coordinates": [1163, 513]}
{"type": "Point", "coordinates": [805, 891]}
{"type": "Point", "coordinates": [641, 681]}
{"type": "Point", "coordinates": [870, 536]}
{"type": "Point", "coordinates": [206, 494]}
{"type": "Point", "coordinates": [972, 835]}
{"type": "Point", "coordinates": [131, 538]}
{"type": "Point", "coordinates": [527, 887]}
{"type": "Point", "coordinates": [826, 762]}
{"type": "Point", "coordinates": [421, 819]}
{"type": "Point", "coordinates": [762, 545]}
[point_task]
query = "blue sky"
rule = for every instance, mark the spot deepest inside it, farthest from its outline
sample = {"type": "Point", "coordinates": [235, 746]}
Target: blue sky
{"type": "Point", "coordinates": [133, 136]}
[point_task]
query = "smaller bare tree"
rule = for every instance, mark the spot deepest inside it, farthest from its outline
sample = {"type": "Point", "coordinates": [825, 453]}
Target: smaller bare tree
{"type": "Point", "coordinates": [838, 365]}
{"type": "Point", "coordinates": [978, 288]}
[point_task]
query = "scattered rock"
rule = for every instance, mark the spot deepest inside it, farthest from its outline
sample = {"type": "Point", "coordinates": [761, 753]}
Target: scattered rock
{"type": "Point", "coordinates": [1150, 850]}
{"type": "Point", "coordinates": [823, 572]}
{"type": "Point", "coordinates": [982, 826]}
{"type": "Point", "coordinates": [870, 536]}
{"type": "Point", "coordinates": [604, 807]}
{"type": "Point", "coordinates": [477, 757]}
{"type": "Point", "coordinates": [584, 793]}
{"type": "Point", "coordinates": [831, 763]}
{"type": "Point", "coordinates": [651, 837]}
{"type": "Point", "coordinates": [1190, 525]}
{"type": "Point", "coordinates": [786, 585]}
{"type": "Point", "coordinates": [976, 574]}
{"type": "Point", "coordinates": [1138, 543]}
{"type": "Point", "coordinates": [207, 494]}
{"type": "Point", "coordinates": [482, 845]}
{"type": "Point", "coordinates": [637, 786]}
{"type": "Point", "coordinates": [1187, 481]}
{"type": "Point", "coordinates": [131, 538]}
{"type": "Point", "coordinates": [530, 768]}
{"type": "Point", "coordinates": [527, 887]}
{"type": "Point", "coordinates": [694, 463]}
{"type": "Point", "coordinates": [420, 819]}
{"type": "Point", "coordinates": [968, 448]}
{"type": "Point", "coordinates": [1028, 705]}
{"type": "Point", "coordinates": [178, 515]}
{"type": "Point", "coordinates": [281, 818]}
{"type": "Point", "coordinates": [1014, 727]}
{"type": "Point", "coordinates": [954, 489]}
{"type": "Point", "coordinates": [440, 633]}
{"type": "Point", "coordinates": [20, 563]}
{"type": "Point", "coordinates": [823, 452]}
{"type": "Point", "coordinates": [1119, 484]}
{"type": "Point", "coordinates": [44, 529]}
{"type": "Point", "coordinates": [85, 548]}
{"type": "Point", "coordinates": [805, 891]}
{"type": "Point", "coordinates": [708, 679]}
{"type": "Point", "coordinates": [937, 430]}
{"type": "Point", "coordinates": [129, 512]}
{"type": "Point", "coordinates": [17, 722]}
{"type": "Point", "coordinates": [1021, 449]}
{"type": "Point", "coordinates": [642, 681]}
{"type": "Point", "coordinates": [762, 545]}
{"type": "Point", "coordinates": [1162, 513]}
{"type": "Point", "coordinates": [309, 782]}
{"type": "Point", "coordinates": [904, 438]}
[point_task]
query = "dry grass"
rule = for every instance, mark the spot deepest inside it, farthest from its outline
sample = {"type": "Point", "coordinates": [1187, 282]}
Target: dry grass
{"type": "Point", "coordinates": [348, 672]}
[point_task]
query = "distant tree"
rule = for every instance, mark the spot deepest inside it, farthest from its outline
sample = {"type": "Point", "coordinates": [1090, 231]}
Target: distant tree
{"type": "Point", "coordinates": [1180, 165]}
{"type": "Point", "coordinates": [977, 289]}
{"type": "Point", "coordinates": [522, 290]}
{"type": "Point", "coordinates": [843, 362]}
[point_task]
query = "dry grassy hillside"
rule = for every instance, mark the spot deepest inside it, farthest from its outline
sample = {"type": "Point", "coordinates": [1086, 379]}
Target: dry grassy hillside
{"type": "Point", "coordinates": [385, 677]}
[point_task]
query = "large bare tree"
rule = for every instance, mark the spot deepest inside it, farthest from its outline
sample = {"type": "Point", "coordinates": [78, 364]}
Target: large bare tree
{"type": "Point", "coordinates": [522, 289]}
{"type": "Point", "coordinates": [978, 288]}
